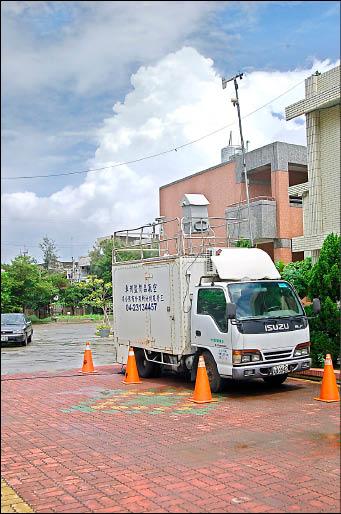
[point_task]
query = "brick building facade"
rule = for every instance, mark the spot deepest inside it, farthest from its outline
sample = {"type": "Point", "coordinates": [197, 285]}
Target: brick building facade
{"type": "Point", "coordinates": [276, 217]}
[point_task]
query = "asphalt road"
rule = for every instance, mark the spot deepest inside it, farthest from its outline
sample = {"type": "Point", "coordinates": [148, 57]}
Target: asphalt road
{"type": "Point", "coordinates": [56, 347]}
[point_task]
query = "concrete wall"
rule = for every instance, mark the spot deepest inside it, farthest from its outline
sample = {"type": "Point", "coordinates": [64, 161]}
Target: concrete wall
{"type": "Point", "coordinates": [321, 202]}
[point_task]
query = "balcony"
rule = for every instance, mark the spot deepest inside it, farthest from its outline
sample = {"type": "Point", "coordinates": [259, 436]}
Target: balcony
{"type": "Point", "coordinates": [262, 215]}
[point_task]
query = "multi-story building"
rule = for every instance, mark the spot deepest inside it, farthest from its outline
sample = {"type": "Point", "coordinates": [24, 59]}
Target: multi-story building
{"type": "Point", "coordinates": [321, 192]}
{"type": "Point", "coordinates": [275, 214]}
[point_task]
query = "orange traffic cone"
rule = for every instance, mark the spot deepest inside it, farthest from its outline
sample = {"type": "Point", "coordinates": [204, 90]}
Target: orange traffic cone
{"type": "Point", "coordinates": [202, 390]}
{"type": "Point", "coordinates": [132, 375]}
{"type": "Point", "coordinates": [329, 391]}
{"type": "Point", "coordinates": [88, 366]}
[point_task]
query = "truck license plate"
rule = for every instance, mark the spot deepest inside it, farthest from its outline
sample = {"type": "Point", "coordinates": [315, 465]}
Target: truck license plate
{"type": "Point", "coordinates": [4, 338]}
{"type": "Point", "coordinates": [279, 370]}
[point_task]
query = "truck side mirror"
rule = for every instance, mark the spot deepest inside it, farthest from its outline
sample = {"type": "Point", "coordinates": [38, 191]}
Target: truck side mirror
{"type": "Point", "coordinates": [231, 310]}
{"type": "Point", "coordinates": [316, 305]}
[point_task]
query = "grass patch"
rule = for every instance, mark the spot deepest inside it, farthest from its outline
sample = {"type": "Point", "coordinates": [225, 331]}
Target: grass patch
{"type": "Point", "coordinates": [35, 320]}
{"type": "Point", "coordinates": [94, 317]}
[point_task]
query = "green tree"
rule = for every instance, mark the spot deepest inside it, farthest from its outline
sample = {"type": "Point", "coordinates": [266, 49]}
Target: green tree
{"type": "Point", "coordinates": [101, 257]}
{"type": "Point", "coordinates": [280, 266]}
{"type": "Point", "coordinates": [59, 280]}
{"type": "Point", "coordinates": [99, 296]}
{"type": "Point", "coordinates": [43, 294]}
{"type": "Point", "coordinates": [73, 295]}
{"type": "Point", "coordinates": [324, 331]}
{"type": "Point", "coordinates": [325, 274]}
{"type": "Point", "coordinates": [8, 303]}
{"type": "Point", "coordinates": [323, 281]}
{"type": "Point", "coordinates": [243, 243]}
{"type": "Point", "coordinates": [298, 274]}
{"type": "Point", "coordinates": [101, 260]}
{"type": "Point", "coordinates": [49, 249]}
{"type": "Point", "coordinates": [22, 278]}
{"type": "Point", "coordinates": [26, 286]}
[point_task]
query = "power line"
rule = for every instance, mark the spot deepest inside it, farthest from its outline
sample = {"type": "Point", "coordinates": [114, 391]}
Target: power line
{"type": "Point", "coordinates": [174, 149]}
{"type": "Point", "coordinates": [41, 222]}
{"type": "Point", "coordinates": [60, 245]}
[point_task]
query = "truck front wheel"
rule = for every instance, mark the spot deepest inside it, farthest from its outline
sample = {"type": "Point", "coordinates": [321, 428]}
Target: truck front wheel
{"type": "Point", "coordinates": [145, 368]}
{"type": "Point", "coordinates": [276, 380]}
{"type": "Point", "coordinates": [212, 372]}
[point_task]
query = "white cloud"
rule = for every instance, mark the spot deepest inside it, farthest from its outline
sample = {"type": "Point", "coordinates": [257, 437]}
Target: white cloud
{"type": "Point", "coordinates": [91, 45]}
{"type": "Point", "coordinates": [176, 100]}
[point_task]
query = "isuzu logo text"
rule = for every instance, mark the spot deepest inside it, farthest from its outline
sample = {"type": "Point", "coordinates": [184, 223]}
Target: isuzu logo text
{"type": "Point", "coordinates": [275, 328]}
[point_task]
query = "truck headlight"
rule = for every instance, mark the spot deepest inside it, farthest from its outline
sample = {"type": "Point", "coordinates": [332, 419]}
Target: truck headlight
{"type": "Point", "coordinates": [244, 356]}
{"type": "Point", "coordinates": [302, 350]}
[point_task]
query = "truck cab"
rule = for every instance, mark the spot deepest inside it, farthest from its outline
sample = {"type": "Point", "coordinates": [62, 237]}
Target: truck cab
{"type": "Point", "coordinates": [253, 329]}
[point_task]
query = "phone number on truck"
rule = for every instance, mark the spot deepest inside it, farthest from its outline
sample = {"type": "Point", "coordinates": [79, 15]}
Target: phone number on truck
{"type": "Point", "coordinates": [141, 306]}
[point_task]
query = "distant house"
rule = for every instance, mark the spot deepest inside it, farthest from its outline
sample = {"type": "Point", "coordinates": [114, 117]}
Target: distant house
{"type": "Point", "coordinates": [74, 270]}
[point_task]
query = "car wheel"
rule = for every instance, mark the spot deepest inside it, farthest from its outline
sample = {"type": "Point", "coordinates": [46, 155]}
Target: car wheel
{"type": "Point", "coordinates": [276, 380]}
{"type": "Point", "coordinates": [145, 368]}
{"type": "Point", "coordinates": [212, 372]}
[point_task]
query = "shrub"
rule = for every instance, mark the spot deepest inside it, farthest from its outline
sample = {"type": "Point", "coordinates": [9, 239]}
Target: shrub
{"type": "Point", "coordinates": [298, 274]}
{"type": "Point", "coordinates": [325, 274]}
{"type": "Point", "coordinates": [325, 328]}
{"type": "Point", "coordinates": [321, 344]}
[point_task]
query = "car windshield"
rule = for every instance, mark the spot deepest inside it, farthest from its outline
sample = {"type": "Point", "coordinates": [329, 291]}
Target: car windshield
{"type": "Point", "coordinates": [12, 319]}
{"type": "Point", "coordinates": [265, 300]}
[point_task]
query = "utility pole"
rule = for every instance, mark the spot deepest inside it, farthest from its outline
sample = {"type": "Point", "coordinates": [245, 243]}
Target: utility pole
{"type": "Point", "coordinates": [235, 102]}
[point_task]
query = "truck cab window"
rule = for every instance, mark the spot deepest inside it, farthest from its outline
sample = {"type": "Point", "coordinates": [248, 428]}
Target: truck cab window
{"type": "Point", "coordinates": [212, 302]}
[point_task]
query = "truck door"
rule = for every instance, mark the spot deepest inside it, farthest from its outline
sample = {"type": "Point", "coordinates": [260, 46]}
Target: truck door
{"type": "Point", "coordinates": [210, 326]}
{"type": "Point", "coordinates": [159, 313]}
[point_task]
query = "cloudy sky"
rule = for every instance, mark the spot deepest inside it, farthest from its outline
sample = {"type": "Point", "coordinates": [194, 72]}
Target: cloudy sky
{"type": "Point", "coordinates": [91, 84]}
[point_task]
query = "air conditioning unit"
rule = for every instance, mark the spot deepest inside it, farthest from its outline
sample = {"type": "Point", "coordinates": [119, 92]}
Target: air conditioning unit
{"type": "Point", "coordinates": [210, 268]}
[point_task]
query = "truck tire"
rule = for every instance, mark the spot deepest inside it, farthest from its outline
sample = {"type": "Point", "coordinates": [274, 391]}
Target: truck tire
{"type": "Point", "coordinates": [276, 380]}
{"type": "Point", "coordinates": [146, 368]}
{"type": "Point", "coordinates": [212, 372]}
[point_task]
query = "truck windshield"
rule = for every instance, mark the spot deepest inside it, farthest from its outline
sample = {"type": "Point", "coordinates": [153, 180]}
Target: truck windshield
{"type": "Point", "coordinates": [264, 300]}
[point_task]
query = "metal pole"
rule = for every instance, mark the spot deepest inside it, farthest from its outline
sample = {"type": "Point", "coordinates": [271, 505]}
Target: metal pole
{"type": "Point", "coordinates": [244, 161]}
{"type": "Point", "coordinates": [236, 102]}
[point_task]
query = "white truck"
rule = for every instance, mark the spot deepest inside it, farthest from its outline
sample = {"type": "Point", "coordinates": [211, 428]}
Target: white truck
{"type": "Point", "coordinates": [228, 304]}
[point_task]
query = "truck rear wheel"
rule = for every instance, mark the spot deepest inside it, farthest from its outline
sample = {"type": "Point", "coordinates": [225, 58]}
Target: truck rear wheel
{"type": "Point", "coordinates": [212, 372]}
{"type": "Point", "coordinates": [276, 380]}
{"type": "Point", "coordinates": [146, 368]}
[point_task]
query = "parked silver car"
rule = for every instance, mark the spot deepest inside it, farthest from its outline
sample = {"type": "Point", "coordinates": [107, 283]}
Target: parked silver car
{"type": "Point", "coordinates": [16, 328]}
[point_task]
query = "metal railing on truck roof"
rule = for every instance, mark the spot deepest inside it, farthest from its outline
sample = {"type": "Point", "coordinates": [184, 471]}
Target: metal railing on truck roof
{"type": "Point", "coordinates": [171, 237]}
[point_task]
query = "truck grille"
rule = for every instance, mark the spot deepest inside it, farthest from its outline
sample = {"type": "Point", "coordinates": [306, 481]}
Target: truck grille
{"type": "Point", "coordinates": [277, 356]}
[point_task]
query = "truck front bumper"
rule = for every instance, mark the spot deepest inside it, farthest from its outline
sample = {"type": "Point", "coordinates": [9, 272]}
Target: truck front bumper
{"type": "Point", "coordinates": [264, 369]}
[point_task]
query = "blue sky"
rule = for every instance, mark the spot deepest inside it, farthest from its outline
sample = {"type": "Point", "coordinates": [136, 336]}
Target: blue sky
{"type": "Point", "coordinates": [65, 65]}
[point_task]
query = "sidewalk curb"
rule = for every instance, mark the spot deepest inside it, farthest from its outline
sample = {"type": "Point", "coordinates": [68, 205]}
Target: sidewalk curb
{"type": "Point", "coordinates": [315, 374]}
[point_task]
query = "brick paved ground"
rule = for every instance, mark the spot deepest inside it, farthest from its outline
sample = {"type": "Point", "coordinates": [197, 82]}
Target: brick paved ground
{"type": "Point", "coordinates": [91, 444]}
